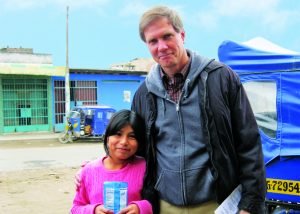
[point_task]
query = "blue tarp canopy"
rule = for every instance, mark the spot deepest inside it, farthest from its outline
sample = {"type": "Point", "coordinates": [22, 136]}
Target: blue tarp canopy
{"type": "Point", "coordinates": [259, 60]}
{"type": "Point", "coordinates": [257, 55]}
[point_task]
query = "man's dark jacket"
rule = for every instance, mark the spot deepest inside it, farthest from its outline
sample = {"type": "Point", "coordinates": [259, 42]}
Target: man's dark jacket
{"type": "Point", "coordinates": [230, 131]}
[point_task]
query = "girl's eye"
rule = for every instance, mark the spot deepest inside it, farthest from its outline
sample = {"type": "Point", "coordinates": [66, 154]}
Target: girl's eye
{"type": "Point", "coordinates": [118, 134]}
{"type": "Point", "coordinates": [132, 136]}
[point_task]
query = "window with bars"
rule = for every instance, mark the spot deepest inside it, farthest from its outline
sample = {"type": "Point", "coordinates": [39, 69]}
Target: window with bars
{"type": "Point", "coordinates": [83, 92]}
{"type": "Point", "coordinates": [25, 102]}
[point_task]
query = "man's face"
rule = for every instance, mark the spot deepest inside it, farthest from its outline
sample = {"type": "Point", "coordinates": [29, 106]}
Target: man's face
{"type": "Point", "coordinates": [166, 45]}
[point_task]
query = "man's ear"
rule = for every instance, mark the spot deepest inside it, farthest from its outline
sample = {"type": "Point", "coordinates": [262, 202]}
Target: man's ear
{"type": "Point", "coordinates": [182, 34]}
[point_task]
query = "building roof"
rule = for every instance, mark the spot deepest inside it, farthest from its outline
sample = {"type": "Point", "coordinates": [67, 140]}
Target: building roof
{"type": "Point", "coordinates": [137, 64]}
{"type": "Point", "coordinates": [23, 55]}
{"type": "Point", "coordinates": [105, 71]}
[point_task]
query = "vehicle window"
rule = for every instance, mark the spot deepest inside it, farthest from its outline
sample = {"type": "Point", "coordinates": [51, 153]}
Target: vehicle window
{"type": "Point", "coordinates": [74, 114]}
{"type": "Point", "coordinates": [100, 115]}
{"type": "Point", "coordinates": [262, 97]}
{"type": "Point", "coordinates": [109, 114]}
{"type": "Point", "coordinates": [90, 112]}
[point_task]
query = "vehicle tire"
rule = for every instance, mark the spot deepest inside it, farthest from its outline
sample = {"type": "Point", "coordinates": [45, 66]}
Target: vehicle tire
{"type": "Point", "coordinates": [74, 138]}
{"type": "Point", "coordinates": [65, 138]}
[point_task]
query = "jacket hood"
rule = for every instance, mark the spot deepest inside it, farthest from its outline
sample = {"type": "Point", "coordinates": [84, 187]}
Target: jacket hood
{"type": "Point", "coordinates": [154, 81]}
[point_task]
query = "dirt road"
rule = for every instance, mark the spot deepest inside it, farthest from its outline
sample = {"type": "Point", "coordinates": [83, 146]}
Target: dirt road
{"type": "Point", "coordinates": [38, 177]}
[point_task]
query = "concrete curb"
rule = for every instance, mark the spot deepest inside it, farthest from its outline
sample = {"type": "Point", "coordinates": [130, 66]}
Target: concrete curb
{"type": "Point", "coordinates": [29, 136]}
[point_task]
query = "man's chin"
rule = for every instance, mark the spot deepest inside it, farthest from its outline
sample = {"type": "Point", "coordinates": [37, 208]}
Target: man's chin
{"type": "Point", "coordinates": [165, 62]}
{"type": "Point", "coordinates": [166, 65]}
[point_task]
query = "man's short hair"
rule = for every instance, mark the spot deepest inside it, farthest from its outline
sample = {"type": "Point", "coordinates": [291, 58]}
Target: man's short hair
{"type": "Point", "coordinates": [157, 13]}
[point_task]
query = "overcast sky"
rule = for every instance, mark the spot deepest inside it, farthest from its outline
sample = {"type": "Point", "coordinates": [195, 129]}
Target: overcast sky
{"type": "Point", "coordinates": [104, 32]}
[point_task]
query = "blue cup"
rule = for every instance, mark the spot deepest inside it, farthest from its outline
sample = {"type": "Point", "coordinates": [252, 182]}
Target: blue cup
{"type": "Point", "coordinates": [115, 195]}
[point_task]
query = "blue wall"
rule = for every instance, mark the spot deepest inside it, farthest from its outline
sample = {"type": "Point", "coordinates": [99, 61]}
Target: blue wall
{"type": "Point", "coordinates": [115, 90]}
{"type": "Point", "coordinates": [118, 91]}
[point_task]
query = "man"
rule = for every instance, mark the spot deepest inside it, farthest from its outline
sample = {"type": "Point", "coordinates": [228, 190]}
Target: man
{"type": "Point", "coordinates": [202, 137]}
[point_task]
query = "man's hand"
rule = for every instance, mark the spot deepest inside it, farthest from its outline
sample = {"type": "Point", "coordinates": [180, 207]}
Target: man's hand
{"type": "Point", "coordinates": [130, 209]}
{"type": "Point", "coordinates": [100, 209]}
{"type": "Point", "coordinates": [77, 180]}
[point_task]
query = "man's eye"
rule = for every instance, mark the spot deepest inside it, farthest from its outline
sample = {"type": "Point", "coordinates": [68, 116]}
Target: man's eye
{"type": "Point", "coordinates": [167, 36]}
{"type": "Point", "coordinates": [152, 42]}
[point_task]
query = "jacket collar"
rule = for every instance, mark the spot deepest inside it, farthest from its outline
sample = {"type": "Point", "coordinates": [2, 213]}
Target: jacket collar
{"type": "Point", "coordinates": [154, 81]}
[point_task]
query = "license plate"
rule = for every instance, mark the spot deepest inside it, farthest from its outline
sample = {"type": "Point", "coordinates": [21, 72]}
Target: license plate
{"type": "Point", "coordinates": [288, 187]}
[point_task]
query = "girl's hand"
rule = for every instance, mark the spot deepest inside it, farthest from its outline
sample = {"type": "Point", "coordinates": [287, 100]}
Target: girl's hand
{"type": "Point", "coordinates": [243, 212]}
{"type": "Point", "coordinates": [100, 209]}
{"type": "Point", "coordinates": [130, 209]}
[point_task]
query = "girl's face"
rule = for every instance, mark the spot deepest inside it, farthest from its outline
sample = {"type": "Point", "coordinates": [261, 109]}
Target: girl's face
{"type": "Point", "coordinates": [123, 144]}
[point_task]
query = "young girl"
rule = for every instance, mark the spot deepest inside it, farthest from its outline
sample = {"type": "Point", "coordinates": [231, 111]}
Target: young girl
{"type": "Point", "coordinates": [124, 137]}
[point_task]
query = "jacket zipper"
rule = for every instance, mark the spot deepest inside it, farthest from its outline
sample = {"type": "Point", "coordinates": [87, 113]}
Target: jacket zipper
{"type": "Point", "coordinates": [182, 163]}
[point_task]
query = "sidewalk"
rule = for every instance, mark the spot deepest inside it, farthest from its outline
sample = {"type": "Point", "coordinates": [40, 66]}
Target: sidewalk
{"type": "Point", "coordinates": [29, 136]}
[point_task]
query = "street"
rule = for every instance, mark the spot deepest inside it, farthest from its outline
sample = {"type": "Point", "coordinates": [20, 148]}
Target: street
{"type": "Point", "coordinates": [52, 154]}
{"type": "Point", "coordinates": [37, 176]}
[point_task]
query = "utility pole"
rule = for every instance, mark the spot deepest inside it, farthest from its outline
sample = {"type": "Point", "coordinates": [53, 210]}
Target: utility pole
{"type": "Point", "coordinates": [67, 75]}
